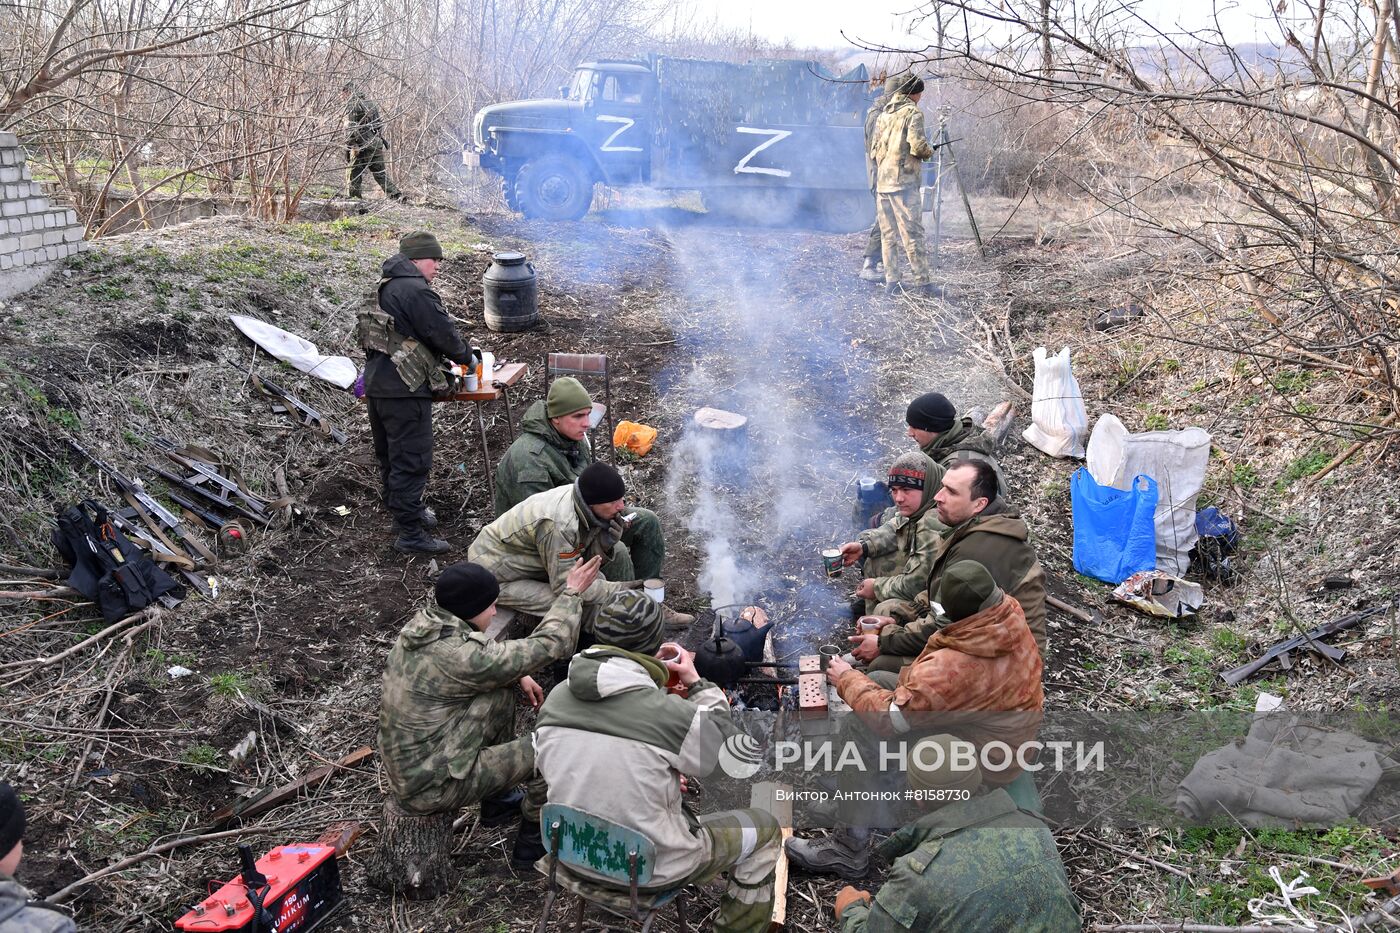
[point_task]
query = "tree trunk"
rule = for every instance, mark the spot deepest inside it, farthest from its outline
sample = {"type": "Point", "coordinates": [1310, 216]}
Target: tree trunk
{"type": "Point", "coordinates": [414, 854]}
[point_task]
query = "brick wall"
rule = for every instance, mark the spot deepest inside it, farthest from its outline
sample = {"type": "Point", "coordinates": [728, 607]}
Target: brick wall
{"type": "Point", "coordinates": [34, 234]}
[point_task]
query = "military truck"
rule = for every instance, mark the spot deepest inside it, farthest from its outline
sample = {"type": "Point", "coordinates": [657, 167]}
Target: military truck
{"type": "Point", "coordinates": [771, 142]}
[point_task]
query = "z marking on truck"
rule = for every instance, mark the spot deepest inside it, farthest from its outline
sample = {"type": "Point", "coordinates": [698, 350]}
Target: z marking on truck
{"type": "Point", "coordinates": [627, 124]}
{"type": "Point", "coordinates": [776, 136]}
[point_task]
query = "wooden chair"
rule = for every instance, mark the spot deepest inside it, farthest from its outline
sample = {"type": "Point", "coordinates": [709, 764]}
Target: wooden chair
{"type": "Point", "coordinates": [578, 839]}
{"type": "Point", "coordinates": [585, 366]}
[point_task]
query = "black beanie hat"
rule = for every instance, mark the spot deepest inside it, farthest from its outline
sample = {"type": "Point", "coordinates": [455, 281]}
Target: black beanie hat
{"type": "Point", "coordinates": [912, 85]}
{"type": "Point", "coordinates": [466, 589]}
{"type": "Point", "coordinates": [931, 412]}
{"type": "Point", "coordinates": [11, 819]}
{"type": "Point", "coordinates": [600, 483]}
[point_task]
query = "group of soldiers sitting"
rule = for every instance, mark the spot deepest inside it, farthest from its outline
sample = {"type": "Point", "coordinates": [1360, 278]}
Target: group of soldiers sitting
{"type": "Point", "coordinates": [948, 572]}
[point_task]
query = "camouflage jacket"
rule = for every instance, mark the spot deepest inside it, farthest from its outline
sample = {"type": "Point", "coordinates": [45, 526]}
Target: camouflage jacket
{"type": "Point", "coordinates": [364, 124]}
{"type": "Point", "coordinates": [900, 146]}
{"type": "Point", "coordinates": [998, 539]}
{"type": "Point", "coordinates": [541, 539]}
{"type": "Point", "coordinates": [914, 540]}
{"type": "Point", "coordinates": [975, 866]}
{"type": "Point", "coordinates": [540, 459]}
{"type": "Point", "coordinates": [964, 441]}
{"type": "Point", "coordinates": [429, 719]}
{"type": "Point", "coordinates": [19, 914]}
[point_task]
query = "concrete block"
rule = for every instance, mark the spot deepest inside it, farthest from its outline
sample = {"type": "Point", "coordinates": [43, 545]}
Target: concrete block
{"type": "Point", "coordinates": [70, 217]}
{"type": "Point", "coordinates": [72, 234]}
{"type": "Point", "coordinates": [38, 205]}
{"type": "Point", "coordinates": [8, 139]}
{"type": "Point", "coordinates": [84, 245]}
{"type": "Point", "coordinates": [11, 173]}
{"type": "Point", "coordinates": [9, 245]}
{"type": "Point", "coordinates": [6, 263]}
{"type": "Point", "coordinates": [25, 174]}
{"type": "Point", "coordinates": [52, 236]}
{"type": "Point", "coordinates": [26, 223]}
{"type": "Point", "coordinates": [11, 208]}
{"type": "Point", "coordinates": [50, 220]}
{"type": "Point", "coordinates": [51, 252]}
{"type": "Point", "coordinates": [9, 157]}
{"type": "Point", "coordinates": [31, 240]}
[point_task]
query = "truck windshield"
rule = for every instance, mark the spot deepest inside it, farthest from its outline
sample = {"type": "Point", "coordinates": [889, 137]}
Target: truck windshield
{"type": "Point", "coordinates": [582, 84]}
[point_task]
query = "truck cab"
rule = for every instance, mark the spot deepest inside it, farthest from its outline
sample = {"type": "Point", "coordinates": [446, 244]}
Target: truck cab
{"type": "Point", "coordinates": [550, 153]}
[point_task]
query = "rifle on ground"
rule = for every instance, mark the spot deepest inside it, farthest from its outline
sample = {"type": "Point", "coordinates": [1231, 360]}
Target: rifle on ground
{"type": "Point", "coordinates": [209, 483]}
{"type": "Point", "coordinates": [294, 408]}
{"type": "Point", "coordinates": [1308, 641]}
{"type": "Point", "coordinates": [155, 516]}
{"type": "Point", "coordinates": [127, 521]}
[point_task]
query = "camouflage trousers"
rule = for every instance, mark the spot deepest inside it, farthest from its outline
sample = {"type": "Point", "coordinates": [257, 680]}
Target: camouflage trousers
{"type": "Point", "coordinates": [371, 159]}
{"type": "Point", "coordinates": [502, 763]}
{"type": "Point", "coordinates": [746, 844]}
{"type": "Point", "coordinates": [873, 251]}
{"type": "Point", "coordinates": [902, 235]}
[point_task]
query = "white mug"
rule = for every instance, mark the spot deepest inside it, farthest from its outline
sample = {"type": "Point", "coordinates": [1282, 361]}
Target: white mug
{"type": "Point", "coordinates": [656, 589]}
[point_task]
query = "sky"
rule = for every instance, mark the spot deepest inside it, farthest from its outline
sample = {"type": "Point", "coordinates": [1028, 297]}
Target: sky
{"type": "Point", "coordinates": [820, 23]}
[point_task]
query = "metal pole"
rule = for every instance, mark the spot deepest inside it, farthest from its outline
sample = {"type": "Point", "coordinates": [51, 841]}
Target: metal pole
{"type": "Point", "coordinates": [957, 179]}
{"type": "Point", "coordinates": [938, 189]}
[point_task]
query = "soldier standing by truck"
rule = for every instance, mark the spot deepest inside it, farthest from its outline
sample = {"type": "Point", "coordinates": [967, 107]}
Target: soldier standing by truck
{"type": "Point", "coordinates": [365, 144]}
{"type": "Point", "coordinates": [874, 268]}
{"type": "Point", "coordinates": [900, 147]}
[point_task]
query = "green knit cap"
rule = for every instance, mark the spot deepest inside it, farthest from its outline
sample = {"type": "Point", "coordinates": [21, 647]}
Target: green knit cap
{"type": "Point", "coordinates": [420, 245]}
{"type": "Point", "coordinates": [566, 396]}
{"type": "Point", "coordinates": [967, 588]}
{"type": "Point", "coordinates": [630, 620]}
{"type": "Point", "coordinates": [892, 83]}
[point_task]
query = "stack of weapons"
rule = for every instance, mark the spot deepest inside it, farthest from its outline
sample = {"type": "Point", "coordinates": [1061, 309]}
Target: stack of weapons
{"type": "Point", "coordinates": [210, 496]}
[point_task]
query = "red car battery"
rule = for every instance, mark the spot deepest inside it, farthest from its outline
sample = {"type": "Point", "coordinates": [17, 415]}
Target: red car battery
{"type": "Point", "coordinates": [301, 887]}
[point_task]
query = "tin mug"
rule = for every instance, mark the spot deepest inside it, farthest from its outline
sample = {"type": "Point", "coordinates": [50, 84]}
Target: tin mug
{"type": "Point", "coordinates": [832, 561]}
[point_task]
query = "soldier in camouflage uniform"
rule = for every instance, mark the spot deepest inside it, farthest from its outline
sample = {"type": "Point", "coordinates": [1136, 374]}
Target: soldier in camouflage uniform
{"type": "Point", "coordinates": [899, 553]}
{"type": "Point", "coordinates": [974, 865]}
{"type": "Point", "coordinates": [552, 451]}
{"type": "Point", "coordinates": [365, 144]}
{"type": "Point", "coordinates": [447, 720]}
{"type": "Point", "coordinates": [530, 548]}
{"type": "Point", "coordinates": [934, 425]}
{"type": "Point", "coordinates": [874, 268]}
{"type": "Point", "coordinates": [19, 913]}
{"type": "Point", "coordinates": [900, 148]}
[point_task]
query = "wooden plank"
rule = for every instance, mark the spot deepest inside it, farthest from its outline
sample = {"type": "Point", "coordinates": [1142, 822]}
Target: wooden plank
{"type": "Point", "coordinates": [765, 796]}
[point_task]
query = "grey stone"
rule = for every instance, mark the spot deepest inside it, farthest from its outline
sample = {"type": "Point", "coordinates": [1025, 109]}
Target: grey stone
{"type": "Point", "coordinates": [52, 236]}
{"type": "Point", "coordinates": [38, 205]}
{"type": "Point", "coordinates": [5, 263]}
{"type": "Point", "coordinates": [8, 139]}
{"type": "Point", "coordinates": [31, 240]}
{"type": "Point", "coordinates": [11, 208]}
{"type": "Point", "coordinates": [51, 252]}
{"type": "Point", "coordinates": [72, 234]}
{"type": "Point", "coordinates": [51, 219]}
{"type": "Point", "coordinates": [9, 245]}
{"type": "Point", "coordinates": [9, 157]}
{"type": "Point", "coordinates": [26, 223]}
{"type": "Point", "coordinates": [70, 217]}
{"type": "Point", "coordinates": [11, 173]}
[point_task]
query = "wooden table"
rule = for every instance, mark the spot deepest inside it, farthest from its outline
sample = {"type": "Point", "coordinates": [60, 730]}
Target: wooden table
{"type": "Point", "coordinates": [504, 376]}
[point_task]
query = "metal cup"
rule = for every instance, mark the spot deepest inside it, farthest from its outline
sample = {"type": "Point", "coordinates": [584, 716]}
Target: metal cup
{"type": "Point", "coordinates": [826, 653]}
{"type": "Point", "coordinates": [655, 588]}
{"type": "Point", "coordinates": [832, 561]}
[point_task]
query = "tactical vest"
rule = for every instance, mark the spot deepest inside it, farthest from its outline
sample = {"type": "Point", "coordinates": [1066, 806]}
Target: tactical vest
{"type": "Point", "coordinates": [414, 362]}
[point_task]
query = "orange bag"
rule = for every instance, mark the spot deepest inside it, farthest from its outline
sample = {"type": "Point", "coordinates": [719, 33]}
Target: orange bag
{"type": "Point", "coordinates": [637, 438]}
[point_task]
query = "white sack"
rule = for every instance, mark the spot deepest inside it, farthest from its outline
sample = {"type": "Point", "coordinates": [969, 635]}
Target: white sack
{"type": "Point", "coordinates": [1058, 421]}
{"type": "Point", "coordinates": [1175, 459]}
{"type": "Point", "coordinates": [298, 351]}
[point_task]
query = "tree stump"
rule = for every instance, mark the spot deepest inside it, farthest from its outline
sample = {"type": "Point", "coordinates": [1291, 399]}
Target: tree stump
{"type": "Point", "coordinates": [726, 442]}
{"type": "Point", "coordinates": [414, 854]}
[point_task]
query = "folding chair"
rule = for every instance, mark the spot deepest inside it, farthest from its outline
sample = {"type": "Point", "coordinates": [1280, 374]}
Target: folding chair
{"type": "Point", "coordinates": [588, 365]}
{"type": "Point", "coordinates": [578, 839]}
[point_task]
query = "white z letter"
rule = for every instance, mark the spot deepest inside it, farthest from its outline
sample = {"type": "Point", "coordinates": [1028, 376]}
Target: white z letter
{"type": "Point", "coordinates": [775, 136]}
{"type": "Point", "coordinates": [627, 124]}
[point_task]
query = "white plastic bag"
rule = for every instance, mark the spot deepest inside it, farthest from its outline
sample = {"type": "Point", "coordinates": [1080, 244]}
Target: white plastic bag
{"type": "Point", "coordinates": [300, 352]}
{"type": "Point", "coordinates": [1058, 421]}
{"type": "Point", "coordinates": [1175, 459]}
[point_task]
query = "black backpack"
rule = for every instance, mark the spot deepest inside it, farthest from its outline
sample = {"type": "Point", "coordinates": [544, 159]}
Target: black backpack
{"type": "Point", "coordinates": [107, 568]}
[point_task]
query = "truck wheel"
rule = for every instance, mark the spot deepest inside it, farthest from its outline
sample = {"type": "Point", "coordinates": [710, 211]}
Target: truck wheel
{"type": "Point", "coordinates": [553, 187]}
{"type": "Point", "coordinates": [508, 190]}
{"type": "Point", "coordinates": [841, 211]}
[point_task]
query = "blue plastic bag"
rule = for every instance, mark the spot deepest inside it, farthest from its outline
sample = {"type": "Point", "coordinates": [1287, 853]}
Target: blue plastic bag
{"type": "Point", "coordinates": [1114, 533]}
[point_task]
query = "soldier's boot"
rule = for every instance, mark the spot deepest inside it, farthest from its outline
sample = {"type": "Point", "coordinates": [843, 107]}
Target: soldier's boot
{"type": "Point", "coordinates": [428, 517]}
{"type": "Point", "coordinates": [529, 845]}
{"type": "Point", "coordinates": [872, 271]}
{"type": "Point", "coordinates": [845, 853]}
{"type": "Point", "coordinates": [894, 289]}
{"type": "Point", "coordinates": [501, 809]}
{"type": "Point", "coordinates": [418, 541]}
{"type": "Point", "coordinates": [675, 619]}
